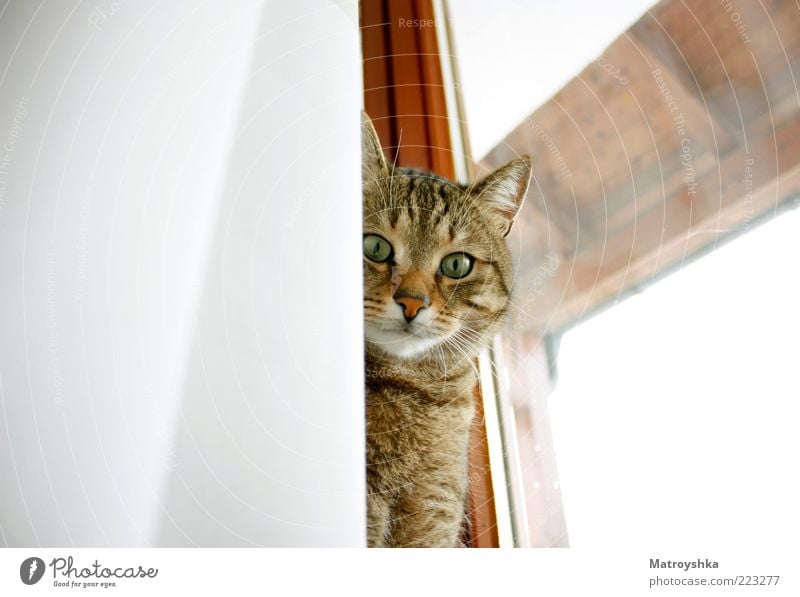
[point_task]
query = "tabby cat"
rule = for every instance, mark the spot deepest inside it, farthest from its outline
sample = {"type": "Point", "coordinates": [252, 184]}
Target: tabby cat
{"type": "Point", "coordinates": [437, 276]}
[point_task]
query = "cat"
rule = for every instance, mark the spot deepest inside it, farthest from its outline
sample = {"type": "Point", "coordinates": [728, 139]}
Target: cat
{"type": "Point", "coordinates": [437, 278]}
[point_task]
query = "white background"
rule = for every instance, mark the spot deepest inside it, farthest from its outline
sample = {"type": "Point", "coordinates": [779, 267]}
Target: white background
{"type": "Point", "coordinates": [550, 572]}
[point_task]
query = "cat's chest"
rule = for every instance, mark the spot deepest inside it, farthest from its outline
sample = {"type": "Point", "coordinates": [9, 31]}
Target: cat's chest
{"type": "Point", "coordinates": [408, 392]}
{"type": "Point", "coordinates": [405, 416]}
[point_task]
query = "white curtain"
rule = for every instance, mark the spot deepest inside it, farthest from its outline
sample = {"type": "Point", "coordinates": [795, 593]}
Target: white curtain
{"type": "Point", "coordinates": [180, 293]}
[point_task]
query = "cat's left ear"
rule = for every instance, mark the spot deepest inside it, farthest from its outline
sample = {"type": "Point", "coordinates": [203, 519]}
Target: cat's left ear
{"type": "Point", "coordinates": [503, 191]}
{"type": "Point", "coordinates": [373, 162]}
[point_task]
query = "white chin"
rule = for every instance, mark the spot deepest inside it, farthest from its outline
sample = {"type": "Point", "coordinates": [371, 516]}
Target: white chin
{"type": "Point", "coordinates": [399, 343]}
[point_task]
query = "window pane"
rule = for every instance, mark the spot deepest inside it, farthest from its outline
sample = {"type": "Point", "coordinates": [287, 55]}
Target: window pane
{"type": "Point", "coordinates": [675, 415]}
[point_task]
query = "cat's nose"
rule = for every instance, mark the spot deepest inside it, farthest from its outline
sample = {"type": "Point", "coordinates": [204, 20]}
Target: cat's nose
{"type": "Point", "coordinates": [411, 303]}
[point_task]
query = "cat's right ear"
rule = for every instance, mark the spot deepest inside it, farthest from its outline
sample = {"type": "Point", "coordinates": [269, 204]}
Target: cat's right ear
{"type": "Point", "coordinates": [373, 162]}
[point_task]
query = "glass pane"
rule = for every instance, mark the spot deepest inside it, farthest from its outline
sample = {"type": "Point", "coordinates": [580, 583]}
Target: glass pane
{"type": "Point", "coordinates": [658, 133]}
{"type": "Point", "coordinates": [513, 56]}
{"type": "Point", "coordinates": [682, 401]}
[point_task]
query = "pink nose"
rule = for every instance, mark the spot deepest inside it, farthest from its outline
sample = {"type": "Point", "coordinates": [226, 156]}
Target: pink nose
{"type": "Point", "coordinates": [411, 303]}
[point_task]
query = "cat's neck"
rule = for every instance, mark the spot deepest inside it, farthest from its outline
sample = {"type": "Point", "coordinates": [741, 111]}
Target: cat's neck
{"type": "Point", "coordinates": [435, 365]}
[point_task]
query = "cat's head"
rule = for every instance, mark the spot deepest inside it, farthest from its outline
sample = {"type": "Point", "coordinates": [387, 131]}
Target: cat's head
{"type": "Point", "coordinates": [437, 272]}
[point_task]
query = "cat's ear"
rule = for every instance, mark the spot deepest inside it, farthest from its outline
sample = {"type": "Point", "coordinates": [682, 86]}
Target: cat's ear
{"type": "Point", "coordinates": [503, 191]}
{"type": "Point", "coordinates": [373, 162]}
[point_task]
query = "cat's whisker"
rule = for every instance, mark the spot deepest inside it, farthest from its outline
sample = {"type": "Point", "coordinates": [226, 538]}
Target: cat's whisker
{"type": "Point", "coordinates": [468, 332]}
{"type": "Point", "coordinates": [468, 346]}
{"type": "Point", "coordinates": [443, 361]}
{"type": "Point", "coordinates": [391, 174]}
{"type": "Point", "coordinates": [454, 344]}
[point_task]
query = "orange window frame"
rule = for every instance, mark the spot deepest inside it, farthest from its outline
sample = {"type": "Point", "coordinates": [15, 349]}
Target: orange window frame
{"type": "Point", "coordinates": [404, 96]}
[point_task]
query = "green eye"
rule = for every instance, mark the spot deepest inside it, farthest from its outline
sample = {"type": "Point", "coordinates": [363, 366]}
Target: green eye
{"type": "Point", "coordinates": [377, 248]}
{"type": "Point", "coordinates": [457, 265]}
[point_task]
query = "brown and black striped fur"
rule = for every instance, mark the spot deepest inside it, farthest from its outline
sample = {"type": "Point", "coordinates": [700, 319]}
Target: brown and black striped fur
{"type": "Point", "coordinates": [420, 374]}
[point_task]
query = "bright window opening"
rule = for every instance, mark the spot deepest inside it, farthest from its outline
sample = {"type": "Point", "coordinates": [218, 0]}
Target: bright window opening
{"type": "Point", "coordinates": [675, 414]}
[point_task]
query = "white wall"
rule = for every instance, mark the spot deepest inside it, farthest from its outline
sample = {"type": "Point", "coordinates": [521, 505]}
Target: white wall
{"type": "Point", "coordinates": [180, 334]}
